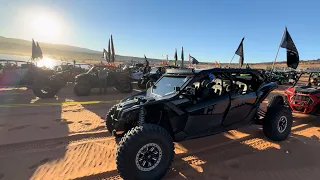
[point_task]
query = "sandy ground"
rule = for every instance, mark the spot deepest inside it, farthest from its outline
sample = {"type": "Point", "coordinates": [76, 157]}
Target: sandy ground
{"type": "Point", "coordinates": [65, 138]}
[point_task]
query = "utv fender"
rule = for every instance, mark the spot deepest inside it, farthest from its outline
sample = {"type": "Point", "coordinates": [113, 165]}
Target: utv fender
{"type": "Point", "coordinates": [265, 90]}
{"type": "Point", "coordinates": [277, 99]}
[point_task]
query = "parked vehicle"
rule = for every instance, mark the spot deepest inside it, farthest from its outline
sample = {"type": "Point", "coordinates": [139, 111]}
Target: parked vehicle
{"type": "Point", "coordinates": [150, 78]}
{"type": "Point", "coordinates": [85, 82]}
{"type": "Point", "coordinates": [185, 104]}
{"type": "Point", "coordinates": [301, 97]}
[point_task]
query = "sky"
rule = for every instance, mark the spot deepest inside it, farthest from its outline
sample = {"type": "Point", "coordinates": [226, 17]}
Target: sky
{"type": "Point", "coordinates": [209, 30]}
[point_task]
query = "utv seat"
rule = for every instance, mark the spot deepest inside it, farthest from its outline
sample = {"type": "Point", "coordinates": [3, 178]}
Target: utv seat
{"type": "Point", "coordinates": [218, 89]}
{"type": "Point", "coordinates": [205, 91]}
{"type": "Point", "coordinates": [196, 85]}
{"type": "Point", "coordinates": [243, 88]}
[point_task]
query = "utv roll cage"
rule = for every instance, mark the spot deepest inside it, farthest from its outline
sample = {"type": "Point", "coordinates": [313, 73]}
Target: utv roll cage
{"type": "Point", "coordinates": [310, 72]}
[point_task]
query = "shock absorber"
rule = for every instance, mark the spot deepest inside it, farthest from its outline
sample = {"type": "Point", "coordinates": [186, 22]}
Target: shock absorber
{"type": "Point", "coordinates": [141, 116]}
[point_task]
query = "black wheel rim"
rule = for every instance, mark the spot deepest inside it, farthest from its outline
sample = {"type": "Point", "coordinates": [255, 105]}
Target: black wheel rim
{"type": "Point", "coordinates": [148, 157]}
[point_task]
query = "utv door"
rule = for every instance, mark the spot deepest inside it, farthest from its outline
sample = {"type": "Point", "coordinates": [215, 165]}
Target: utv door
{"type": "Point", "coordinates": [205, 115]}
{"type": "Point", "coordinates": [240, 107]}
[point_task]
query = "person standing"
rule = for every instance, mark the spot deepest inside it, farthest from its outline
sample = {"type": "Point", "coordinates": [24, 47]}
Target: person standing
{"type": "Point", "coordinates": [103, 80]}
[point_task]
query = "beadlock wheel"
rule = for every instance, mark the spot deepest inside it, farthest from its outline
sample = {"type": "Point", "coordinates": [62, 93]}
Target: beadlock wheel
{"type": "Point", "coordinates": [148, 157]}
{"type": "Point", "coordinates": [282, 124]}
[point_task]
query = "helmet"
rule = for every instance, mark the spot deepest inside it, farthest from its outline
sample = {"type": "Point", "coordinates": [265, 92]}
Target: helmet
{"type": "Point", "coordinates": [314, 80]}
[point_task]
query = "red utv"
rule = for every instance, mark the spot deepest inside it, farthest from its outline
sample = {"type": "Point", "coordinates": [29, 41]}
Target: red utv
{"type": "Point", "coordinates": [302, 97]}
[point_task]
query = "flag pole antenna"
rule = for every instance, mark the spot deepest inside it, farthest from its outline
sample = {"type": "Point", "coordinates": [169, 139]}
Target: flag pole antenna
{"type": "Point", "coordinates": [232, 59]}
{"type": "Point", "coordinates": [275, 59]}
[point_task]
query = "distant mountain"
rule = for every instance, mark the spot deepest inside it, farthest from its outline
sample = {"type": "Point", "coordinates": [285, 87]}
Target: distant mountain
{"type": "Point", "coordinates": [58, 51]}
{"type": "Point", "coordinates": [69, 53]}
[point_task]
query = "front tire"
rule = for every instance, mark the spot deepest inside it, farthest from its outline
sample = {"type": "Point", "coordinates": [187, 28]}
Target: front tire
{"type": "Point", "coordinates": [45, 89]}
{"type": "Point", "coordinates": [109, 124]}
{"type": "Point", "coordinates": [82, 89]}
{"type": "Point", "coordinates": [126, 88]}
{"type": "Point", "coordinates": [277, 123]}
{"type": "Point", "coordinates": [145, 152]}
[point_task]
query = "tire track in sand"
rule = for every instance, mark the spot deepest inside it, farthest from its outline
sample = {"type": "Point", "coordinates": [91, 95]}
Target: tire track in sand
{"type": "Point", "coordinates": [92, 156]}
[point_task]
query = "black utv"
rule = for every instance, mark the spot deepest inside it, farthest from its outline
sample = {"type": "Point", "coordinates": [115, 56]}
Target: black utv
{"type": "Point", "coordinates": [185, 104]}
{"type": "Point", "coordinates": [151, 77]}
{"type": "Point", "coordinates": [84, 82]}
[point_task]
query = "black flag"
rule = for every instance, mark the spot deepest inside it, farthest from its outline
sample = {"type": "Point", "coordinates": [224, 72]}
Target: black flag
{"type": "Point", "coordinates": [34, 50]}
{"type": "Point", "coordinates": [105, 55]}
{"type": "Point", "coordinates": [175, 57]}
{"type": "Point", "coordinates": [112, 48]}
{"type": "Point", "coordinates": [147, 62]}
{"type": "Point", "coordinates": [193, 60]}
{"type": "Point", "coordinates": [292, 52]}
{"type": "Point", "coordinates": [239, 52]}
{"type": "Point", "coordinates": [182, 57]}
{"type": "Point", "coordinates": [39, 51]}
{"type": "Point", "coordinates": [109, 52]}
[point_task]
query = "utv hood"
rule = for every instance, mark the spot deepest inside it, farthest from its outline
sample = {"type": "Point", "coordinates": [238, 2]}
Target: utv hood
{"type": "Point", "coordinates": [304, 90]}
{"type": "Point", "coordinates": [83, 76]}
{"type": "Point", "coordinates": [144, 95]}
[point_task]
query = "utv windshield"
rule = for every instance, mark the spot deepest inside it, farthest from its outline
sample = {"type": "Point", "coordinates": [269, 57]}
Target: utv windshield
{"type": "Point", "coordinates": [154, 70]}
{"type": "Point", "coordinates": [166, 84]}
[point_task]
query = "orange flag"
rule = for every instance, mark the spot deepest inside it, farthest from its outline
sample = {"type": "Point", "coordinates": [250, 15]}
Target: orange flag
{"type": "Point", "coordinates": [217, 64]}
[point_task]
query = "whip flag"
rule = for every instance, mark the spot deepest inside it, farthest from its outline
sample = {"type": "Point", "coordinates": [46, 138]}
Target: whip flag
{"type": "Point", "coordinates": [109, 51]}
{"type": "Point", "coordinates": [113, 52]}
{"type": "Point", "coordinates": [193, 60]}
{"type": "Point", "coordinates": [240, 53]}
{"type": "Point", "coordinates": [34, 50]}
{"type": "Point", "coordinates": [292, 52]}
{"type": "Point", "coordinates": [217, 64]}
{"type": "Point", "coordinates": [39, 51]}
{"type": "Point", "coordinates": [147, 62]}
{"type": "Point", "coordinates": [105, 55]}
{"type": "Point", "coordinates": [175, 57]}
{"type": "Point", "coordinates": [182, 57]}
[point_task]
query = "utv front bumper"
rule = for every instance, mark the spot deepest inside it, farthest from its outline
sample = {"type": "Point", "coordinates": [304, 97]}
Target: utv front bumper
{"type": "Point", "coordinates": [122, 119]}
{"type": "Point", "coordinates": [302, 103]}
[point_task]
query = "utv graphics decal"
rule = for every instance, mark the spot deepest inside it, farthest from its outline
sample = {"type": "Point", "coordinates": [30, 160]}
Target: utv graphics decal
{"type": "Point", "coordinates": [209, 110]}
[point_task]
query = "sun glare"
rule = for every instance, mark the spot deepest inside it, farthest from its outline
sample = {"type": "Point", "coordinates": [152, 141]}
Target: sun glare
{"type": "Point", "coordinates": [46, 62]}
{"type": "Point", "coordinates": [46, 28]}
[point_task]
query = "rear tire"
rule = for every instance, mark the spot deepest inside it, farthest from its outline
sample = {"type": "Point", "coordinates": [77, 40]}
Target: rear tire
{"type": "Point", "coordinates": [277, 123]}
{"type": "Point", "coordinates": [145, 152]}
{"type": "Point", "coordinates": [82, 89]}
